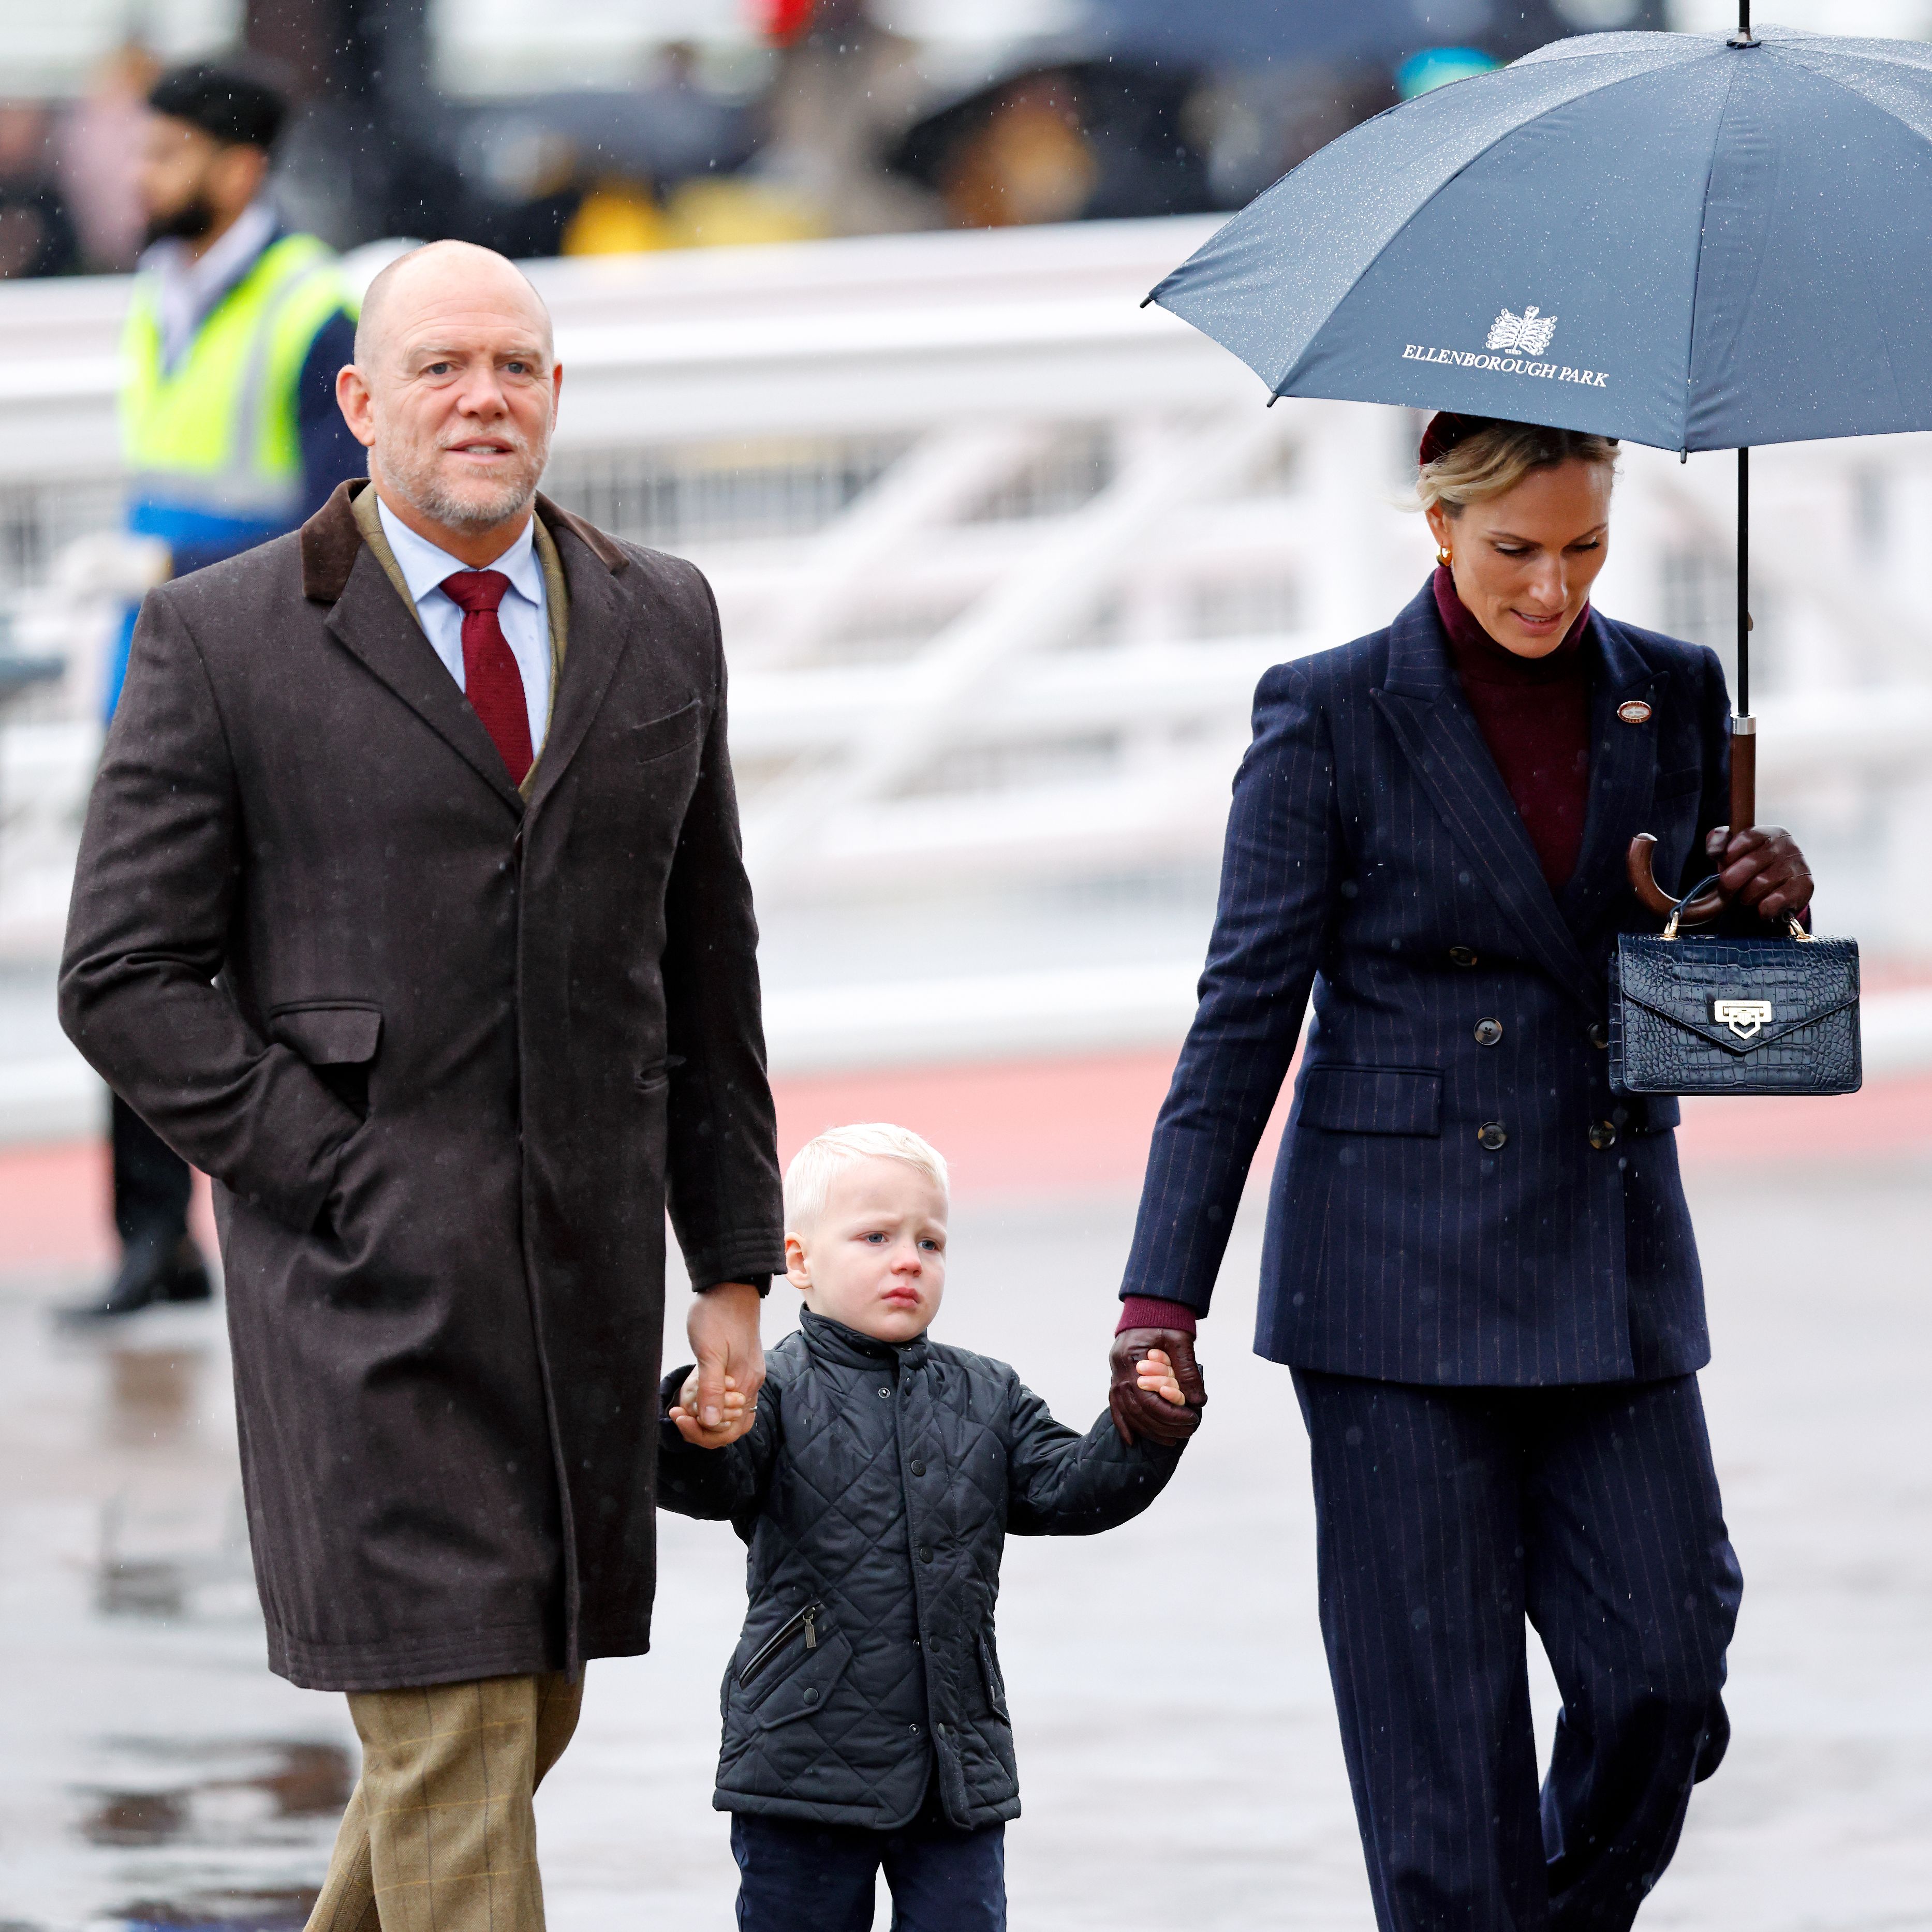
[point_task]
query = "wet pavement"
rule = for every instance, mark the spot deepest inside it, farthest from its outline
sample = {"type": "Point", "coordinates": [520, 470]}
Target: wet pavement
{"type": "Point", "coordinates": [1178, 1753]}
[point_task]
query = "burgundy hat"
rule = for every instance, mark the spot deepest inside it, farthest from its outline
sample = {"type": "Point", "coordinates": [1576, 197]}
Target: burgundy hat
{"type": "Point", "coordinates": [1446, 430]}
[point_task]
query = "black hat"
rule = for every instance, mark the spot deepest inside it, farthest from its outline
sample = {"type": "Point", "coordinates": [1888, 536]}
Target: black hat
{"type": "Point", "coordinates": [221, 101]}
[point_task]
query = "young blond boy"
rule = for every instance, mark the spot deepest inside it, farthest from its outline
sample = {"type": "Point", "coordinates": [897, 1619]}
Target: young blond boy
{"type": "Point", "coordinates": [865, 1719]}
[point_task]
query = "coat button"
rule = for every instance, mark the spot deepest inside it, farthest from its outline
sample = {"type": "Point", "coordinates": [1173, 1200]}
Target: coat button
{"type": "Point", "coordinates": [1602, 1134]}
{"type": "Point", "coordinates": [1489, 1032]}
{"type": "Point", "coordinates": [913, 1729]}
{"type": "Point", "coordinates": [1461, 956]}
{"type": "Point", "coordinates": [940, 1729]}
{"type": "Point", "coordinates": [925, 1552]}
{"type": "Point", "coordinates": [811, 1696]}
{"type": "Point", "coordinates": [1493, 1135]}
{"type": "Point", "coordinates": [918, 1468]}
{"type": "Point", "coordinates": [885, 1395]}
{"type": "Point", "coordinates": [1599, 1035]}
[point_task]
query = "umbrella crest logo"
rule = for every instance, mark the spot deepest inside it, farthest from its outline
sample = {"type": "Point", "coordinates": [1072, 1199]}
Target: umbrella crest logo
{"type": "Point", "coordinates": [1514, 347]}
{"type": "Point", "coordinates": [1528, 332]}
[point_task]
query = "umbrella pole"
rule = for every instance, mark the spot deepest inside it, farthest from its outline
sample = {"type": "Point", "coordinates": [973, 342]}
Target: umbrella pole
{"type": "Point", "coordinates": [1743, 726]}
{"type": "Point", "coordinates": [1639, 865]}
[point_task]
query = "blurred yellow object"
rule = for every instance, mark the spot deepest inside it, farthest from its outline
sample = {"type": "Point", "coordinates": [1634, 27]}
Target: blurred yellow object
{"type": "Point", "coordinates": [618, 217]}
{"type": "Point", "coordinates": [732, 212]}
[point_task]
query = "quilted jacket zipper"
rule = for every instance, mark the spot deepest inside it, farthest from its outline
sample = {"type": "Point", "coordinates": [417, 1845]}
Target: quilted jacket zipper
{"type": "Point", "coordinates": [806, 1620]}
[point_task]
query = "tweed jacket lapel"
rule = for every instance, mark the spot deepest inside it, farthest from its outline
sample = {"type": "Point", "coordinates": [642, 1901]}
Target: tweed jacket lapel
{"type": "Point", "coordinates": [1623, 775]}
{"type": "Point", "coordinates": [373, 624]}
{"type": "Point", "coordinates": [1437, 731]}
{"type": "Point", "coordinates": [601, 618]}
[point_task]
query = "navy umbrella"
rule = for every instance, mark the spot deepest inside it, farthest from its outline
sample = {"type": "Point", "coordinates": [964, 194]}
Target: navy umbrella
{"type": "Point", "coordinates": [1697, 242]}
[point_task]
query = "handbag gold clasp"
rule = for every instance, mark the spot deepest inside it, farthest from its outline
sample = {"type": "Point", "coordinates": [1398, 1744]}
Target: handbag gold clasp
{"type": "Point", "coordinates": [1745, 1018]}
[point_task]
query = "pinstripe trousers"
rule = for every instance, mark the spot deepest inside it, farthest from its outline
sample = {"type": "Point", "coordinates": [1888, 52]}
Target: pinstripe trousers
{"type": "Point", "coordinates": [1445, 1517]}
{"type": "Point", "coordinates": [439, 1835]}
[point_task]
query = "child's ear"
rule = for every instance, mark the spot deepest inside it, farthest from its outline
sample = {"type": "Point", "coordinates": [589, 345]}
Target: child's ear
{"type": "Point", "coordinates": [798, 1267]}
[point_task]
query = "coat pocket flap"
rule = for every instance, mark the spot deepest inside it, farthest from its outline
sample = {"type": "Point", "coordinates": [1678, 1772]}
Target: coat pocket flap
{"type": "Point", "coordinates": [659, 737]}
{"type": "Point", "coordinates": [328, 1036]}
{"type": "Point", "coordinates": [1371, 1099]}
{"type": "Point", "coordinates": [1740, 995]}
{"type": "Point", "coordinates": [802, 1691]}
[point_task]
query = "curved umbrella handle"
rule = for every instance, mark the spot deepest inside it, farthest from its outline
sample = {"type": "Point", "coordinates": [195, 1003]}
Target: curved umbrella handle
{"type": "Point", "coordinates": [1744, 811]}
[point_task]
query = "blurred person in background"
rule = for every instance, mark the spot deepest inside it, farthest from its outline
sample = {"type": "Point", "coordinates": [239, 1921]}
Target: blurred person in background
{"type": "Point", "coordinates": [98, 147]}
{"type": "Point", "coordinates": [847, 90]}
{"type": "Point", "coordinates": [232, 437]}
{"type": "Point", "coordinates": [37, 235]}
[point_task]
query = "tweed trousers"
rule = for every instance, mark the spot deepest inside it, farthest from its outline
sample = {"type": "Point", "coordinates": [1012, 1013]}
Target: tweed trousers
{"type": "Point", "coordinates": [439, 1835]}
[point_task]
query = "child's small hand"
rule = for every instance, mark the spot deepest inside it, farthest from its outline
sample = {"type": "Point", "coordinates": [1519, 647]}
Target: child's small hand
{"type": "Point", "coordinates": [1156, 1377]}
{"type": "Point", "coordinates": [739, 1415]}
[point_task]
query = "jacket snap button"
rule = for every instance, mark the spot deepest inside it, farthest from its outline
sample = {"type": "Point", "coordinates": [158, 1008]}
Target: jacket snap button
{"type": "Point", "coordinates": [1461, 956]}
{"type": "Point", "coordinates": [940, 1728]}
{"type": "Point", "coordinates": [885, 1395]}
{"type": "Point", "coordinates": [811, 1696]}
{"type": "Point", "coordinates": [1602, 1135]}
{"type": "Point", "coordinates": [1599, 1035]}
{"type": "Point", "coordinates": [918, 1468]}
{"type": "Point", "coordinates": [925, 1553]}
{"type": "Point", "coordinates": [913, 1729]}
{"type": "Point", "coordinates": [1493, 1135]}
{"type": "Point", "coordinates": [1489, 1032]}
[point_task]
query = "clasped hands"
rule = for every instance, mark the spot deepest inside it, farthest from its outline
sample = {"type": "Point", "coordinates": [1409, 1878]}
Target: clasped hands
{"type": "Point", "coordinates": [719, 1400]}
{"type": "Point", "coordinates": [1157, 1391]}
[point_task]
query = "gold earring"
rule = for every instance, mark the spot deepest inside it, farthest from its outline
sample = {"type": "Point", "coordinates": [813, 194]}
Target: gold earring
{"type": "Point", "coordinates": [1443, 557]}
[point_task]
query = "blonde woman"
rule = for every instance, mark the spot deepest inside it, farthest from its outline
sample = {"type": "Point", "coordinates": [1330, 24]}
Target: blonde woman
{"type": "Point", "coordinates": [1479, 1267]}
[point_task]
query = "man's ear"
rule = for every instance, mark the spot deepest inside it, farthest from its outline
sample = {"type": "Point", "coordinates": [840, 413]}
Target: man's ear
{"type": "Point", "coordinates": [358, 407]}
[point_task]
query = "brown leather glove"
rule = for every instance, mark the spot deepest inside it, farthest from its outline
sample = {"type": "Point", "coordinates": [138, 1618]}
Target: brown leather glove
{"type": "Point", "coordinates": [1135, 1412]}
{"type": "Point", "coordinates": [1762, 867]}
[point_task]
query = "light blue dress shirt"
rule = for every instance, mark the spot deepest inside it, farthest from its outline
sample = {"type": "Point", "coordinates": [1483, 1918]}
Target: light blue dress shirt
{"type": "Point", "coordinates": [524, 613]}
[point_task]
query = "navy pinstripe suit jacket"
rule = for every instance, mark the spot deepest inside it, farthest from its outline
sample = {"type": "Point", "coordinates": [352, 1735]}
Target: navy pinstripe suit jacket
{"type": "Point", "coordinates": [1372, 846]}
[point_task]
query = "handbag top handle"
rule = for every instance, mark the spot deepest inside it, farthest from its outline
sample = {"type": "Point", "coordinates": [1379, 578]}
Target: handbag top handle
{"type": "Point", "coordinates": [1791, 919]}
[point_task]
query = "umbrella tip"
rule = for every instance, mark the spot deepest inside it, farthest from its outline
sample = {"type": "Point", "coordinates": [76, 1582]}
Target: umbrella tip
{"type": "Point", "coordinates": [1146, 299]}
{"type": "Point", "coordinates": [1273, 399]}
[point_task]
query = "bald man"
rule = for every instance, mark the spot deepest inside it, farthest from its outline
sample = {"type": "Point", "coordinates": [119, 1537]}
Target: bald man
{"type": "Point", "coordinates": [410, 907]}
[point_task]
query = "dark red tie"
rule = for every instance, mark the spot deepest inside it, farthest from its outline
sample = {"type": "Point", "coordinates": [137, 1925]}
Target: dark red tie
{"type": "Point", "coordinates": [491, 678]}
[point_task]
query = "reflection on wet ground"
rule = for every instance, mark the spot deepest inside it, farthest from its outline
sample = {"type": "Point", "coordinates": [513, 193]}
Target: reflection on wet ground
{"type": "Point", "coordinates": [156, 1774]}
{"type": "Point", "coordinates": [231, 1791]}
{"type": "Point", "coordinates": [226, 1912]}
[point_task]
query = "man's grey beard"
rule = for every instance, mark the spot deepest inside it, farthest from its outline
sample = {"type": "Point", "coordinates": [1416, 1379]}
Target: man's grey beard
{"type": "Point", "coordinates": [424, 489]}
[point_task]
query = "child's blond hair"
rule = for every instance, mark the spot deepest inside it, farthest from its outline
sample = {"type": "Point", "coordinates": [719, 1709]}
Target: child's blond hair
{"type": "Point", "coordinates": [808, 1179]}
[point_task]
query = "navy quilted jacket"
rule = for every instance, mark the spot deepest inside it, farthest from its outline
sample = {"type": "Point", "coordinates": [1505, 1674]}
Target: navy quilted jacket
{"type": "Point", "coordinates": [876, 1492]}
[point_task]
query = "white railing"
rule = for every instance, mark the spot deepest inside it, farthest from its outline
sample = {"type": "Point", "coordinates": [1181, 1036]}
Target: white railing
{"type": "Point", "coordinates": [1001, 555]}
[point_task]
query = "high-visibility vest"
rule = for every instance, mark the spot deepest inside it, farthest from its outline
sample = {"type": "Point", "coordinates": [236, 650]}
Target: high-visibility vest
{"type": "Point", "coordinates": [213, 445]}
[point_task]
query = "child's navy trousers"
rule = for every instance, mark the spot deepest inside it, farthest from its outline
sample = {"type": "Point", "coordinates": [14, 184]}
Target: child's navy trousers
{"type": "Point", "coordinates": [795, 1877]}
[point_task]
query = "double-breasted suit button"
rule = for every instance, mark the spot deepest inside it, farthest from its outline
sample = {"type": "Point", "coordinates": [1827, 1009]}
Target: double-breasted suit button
{"type": "Point", "coordinates": [1489, 1032]}
{"type": "Point", "coordinates": [1599, 1034]}
{"type": "Point", "coordinates": [1493, 1135]}
{"type": "Point", "coordinates": [1462, 955]}
{"type": "Point", "coordinates": [1602, 1134]}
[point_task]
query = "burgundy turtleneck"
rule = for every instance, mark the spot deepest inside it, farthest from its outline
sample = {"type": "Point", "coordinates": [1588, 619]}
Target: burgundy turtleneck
{"type": "Point", "coordinates": [1534, 716]}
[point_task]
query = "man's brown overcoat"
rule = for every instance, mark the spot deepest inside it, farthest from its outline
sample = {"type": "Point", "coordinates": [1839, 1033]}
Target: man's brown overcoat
{"type": "Point", "coordinates": [446, 1049]}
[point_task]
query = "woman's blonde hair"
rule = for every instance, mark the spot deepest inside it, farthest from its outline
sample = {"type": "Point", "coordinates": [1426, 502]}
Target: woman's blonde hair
{"type": "Point", "coordinates": [1488, 460]}
{"type": "Point", "coordinates": [808, 1179]}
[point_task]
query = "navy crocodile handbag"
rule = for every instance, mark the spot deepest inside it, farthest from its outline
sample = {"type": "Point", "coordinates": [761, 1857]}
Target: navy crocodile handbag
{"type": "Point", "coordinates": [1748, 1016]}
